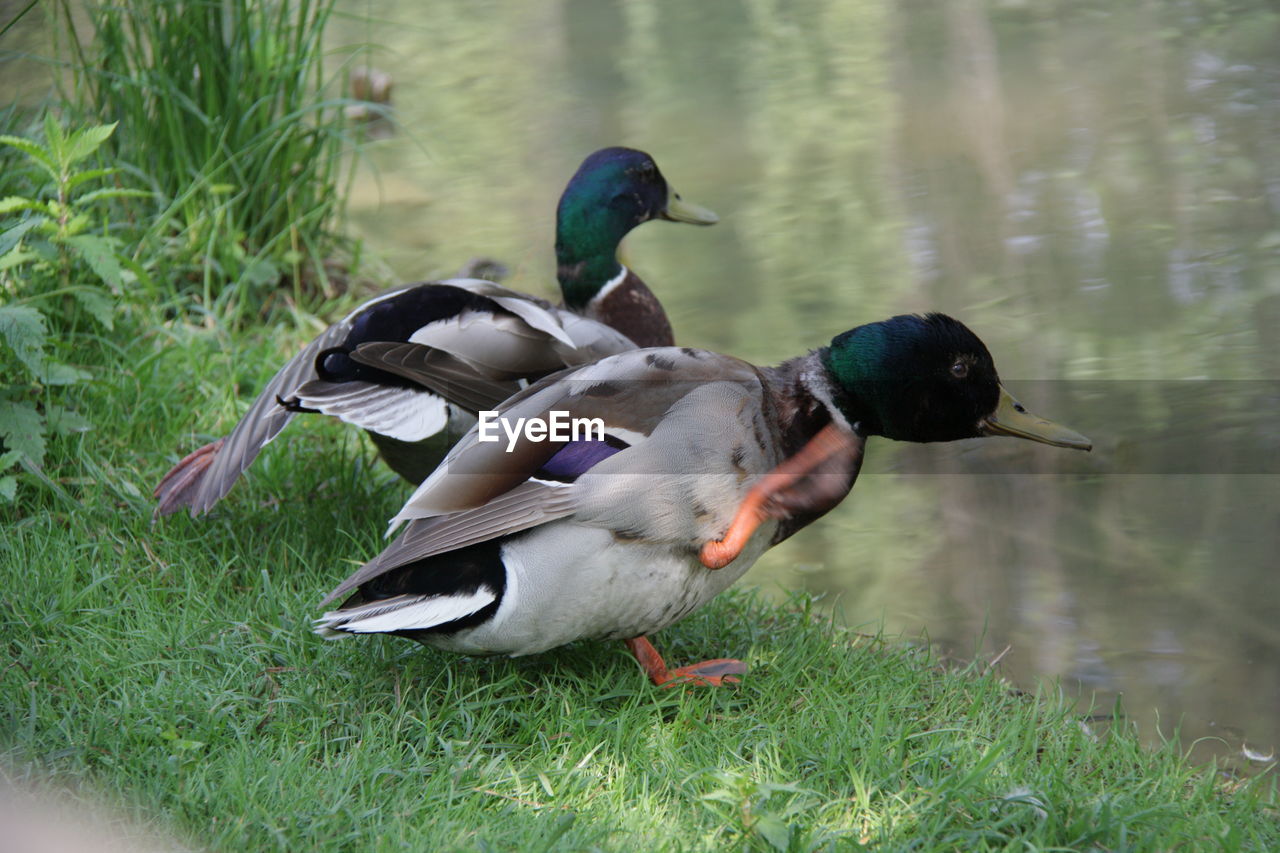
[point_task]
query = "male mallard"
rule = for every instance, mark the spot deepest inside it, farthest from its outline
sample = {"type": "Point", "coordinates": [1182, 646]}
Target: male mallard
{"type": "Point", "coordinates": [705, 462]}
{"type": "Point", "coordinates": [484, 329]}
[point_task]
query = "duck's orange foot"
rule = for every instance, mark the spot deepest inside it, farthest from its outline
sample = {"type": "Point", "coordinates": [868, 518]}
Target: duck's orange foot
{"type": "Point", "coordinates": [713, 673]}
{"type": "Point", "coordinates": [179, 486]}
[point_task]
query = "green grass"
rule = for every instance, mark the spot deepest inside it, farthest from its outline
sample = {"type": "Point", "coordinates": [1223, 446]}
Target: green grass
{"type": "Point", "coordinates": [172, 665]}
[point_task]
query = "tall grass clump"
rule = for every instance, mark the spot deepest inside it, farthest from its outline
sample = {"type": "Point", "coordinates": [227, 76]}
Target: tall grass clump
{"type": "Point", "coordinates": [223, 114]}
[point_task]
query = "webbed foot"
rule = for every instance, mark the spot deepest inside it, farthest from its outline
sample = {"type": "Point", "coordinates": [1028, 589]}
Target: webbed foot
{"type": "Point", "coordinates": [712, 673]}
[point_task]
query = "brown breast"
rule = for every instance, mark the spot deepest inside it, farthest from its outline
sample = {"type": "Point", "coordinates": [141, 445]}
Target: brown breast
{"type": "Point", "coordinates": [631, 308]}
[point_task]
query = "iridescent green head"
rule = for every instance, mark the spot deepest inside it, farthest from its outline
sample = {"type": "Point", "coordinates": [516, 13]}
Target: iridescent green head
{"type": "Point", "coordinates": [613, 191]}
{"type": "Point", "coordinates": [928, 378]}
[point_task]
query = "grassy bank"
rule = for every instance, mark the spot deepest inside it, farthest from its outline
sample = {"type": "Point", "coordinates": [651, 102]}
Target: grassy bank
{"type": "Point", "coordinates": [172, 664]}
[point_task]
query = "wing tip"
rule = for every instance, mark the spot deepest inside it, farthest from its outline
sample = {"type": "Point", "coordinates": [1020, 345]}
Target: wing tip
{"type": "Point", "coordinates": [186, 483]}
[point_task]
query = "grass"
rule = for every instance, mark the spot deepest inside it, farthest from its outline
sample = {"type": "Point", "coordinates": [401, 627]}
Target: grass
{"type": "Point", "coordinates": [226, 114]}
{"type": "Point", "coordinates": [172, 665]}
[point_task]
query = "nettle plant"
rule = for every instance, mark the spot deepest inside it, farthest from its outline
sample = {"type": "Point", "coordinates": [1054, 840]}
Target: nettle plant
{"type": "Point", "coordinates": [58, 266]}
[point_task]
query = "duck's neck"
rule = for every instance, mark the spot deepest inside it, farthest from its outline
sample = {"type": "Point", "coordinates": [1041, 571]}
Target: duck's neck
{"type": "Point", "coordinates": [596, 285]}
{"type": "Point", "coordinates": [586, 250]}
{"type": "Point", "coordinates": [803, 399]}
{"type": "Point", "coordinates": [805, 392]}
{"type": "Point", "coordinates": [583, 279]}
{"type": "Point", "coordinates": [806, 402]}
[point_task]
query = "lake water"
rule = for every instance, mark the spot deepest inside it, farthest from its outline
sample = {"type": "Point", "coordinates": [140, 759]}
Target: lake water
{"type": "Point", "coordinates": [1095, 192]}
{"type": "Point", "coordinates": [1092, 187]}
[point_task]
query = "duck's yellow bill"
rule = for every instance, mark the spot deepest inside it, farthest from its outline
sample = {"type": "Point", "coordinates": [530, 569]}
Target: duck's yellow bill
{"type": "Point", "coordinates": [679, 210]}
{"type": "Point", "coordinates": [1011, 418]}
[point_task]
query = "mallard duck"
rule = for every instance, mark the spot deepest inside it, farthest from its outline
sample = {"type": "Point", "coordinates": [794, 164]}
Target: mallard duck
{"type": "Point", "coordinates": [480, 328]}
{"type": "Point", "coordinates": [703, 462]}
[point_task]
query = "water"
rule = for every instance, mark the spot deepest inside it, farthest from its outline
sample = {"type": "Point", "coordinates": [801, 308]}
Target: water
{"type": "Point", "coordinates": [1094, 191]}
{"type": "Point", "coordinates": [1092, 187]}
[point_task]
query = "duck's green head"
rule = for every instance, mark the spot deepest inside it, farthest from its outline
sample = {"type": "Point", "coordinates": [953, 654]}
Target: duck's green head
{"type": "Point", "coordinates": [928, 378]}
{"type": "Point", "coordinates": [613, 191]}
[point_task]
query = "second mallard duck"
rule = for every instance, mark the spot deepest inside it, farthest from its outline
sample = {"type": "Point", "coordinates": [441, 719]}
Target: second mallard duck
{"type": "Point", "coordinates": [704, 462]}
{"type": "Point", "coordinates": [479, 329]}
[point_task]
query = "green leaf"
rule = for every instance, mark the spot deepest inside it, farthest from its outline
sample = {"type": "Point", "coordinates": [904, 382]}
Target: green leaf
{"type": "Point", "coordinates": [75, 225]}
{"type": "Point", "coordinates": [774, 831]}
{"type": "Point", "coordinates": [22, 328]}
{"type": "Point", "coordinates": [8, 488]}
{"type": "Point", "coordinates": [44, 250]}
{"type": "Point", "coordinates": [16, 202]}
{"type": "Point", "coordinates": [112, 192]}
{"type": "Point", "coordinates": [89, 175]}
{"type": "Point", "coordinates": [140, 275]}
{"type": "Point", "coordinates": [82, 143]}
{"type": "Point", "coordinates": [9, 239]}
{"type": "Point", "coordinates": [64, 421]}
{"type": "Point", "coordinates": [56, 373]}
{"type": "Point", "coordinates": [100, 254]}
{"type": "Point", "coordinates": [98, 304]}
{"type": "Point", "coordinates": [22, 430]}
{"type": "Point", "coordinates": [56, 140]}
{"type": "Point", "coordinates": [34, 151]}
{"type": "Point", "coordinates": [14, 257]}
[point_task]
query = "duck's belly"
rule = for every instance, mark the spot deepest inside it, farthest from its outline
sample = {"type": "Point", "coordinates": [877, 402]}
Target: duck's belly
{"type": "Point", "coordinates": [566, 581]}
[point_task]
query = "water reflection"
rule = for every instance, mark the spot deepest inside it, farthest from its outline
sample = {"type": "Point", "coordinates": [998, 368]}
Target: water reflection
{"type": "Point", "coordinates": [1090, 188]}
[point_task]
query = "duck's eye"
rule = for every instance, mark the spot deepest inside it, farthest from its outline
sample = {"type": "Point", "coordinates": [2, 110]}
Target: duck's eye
{"type": "Point", "coordinates": [960, 370]}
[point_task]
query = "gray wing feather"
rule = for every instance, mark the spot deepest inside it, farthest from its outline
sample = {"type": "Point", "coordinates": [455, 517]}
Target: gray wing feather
{"type": "Point", "coordinates": [631, 392]}
{"type": "Point", "coordinates": [487, 358]}
{"type": "Point", "coordinates": [592, 340]}
{"type": "Point", "coordinates": [482, 492]}
{"type": "Point", "coordinates": [528, 505]}
{"type": "Point", "coordinates": [497, 346]}
{"type": "Point", "coordinates": [439, 372]}
{"type": "Point", "coordinates": [263, 422]}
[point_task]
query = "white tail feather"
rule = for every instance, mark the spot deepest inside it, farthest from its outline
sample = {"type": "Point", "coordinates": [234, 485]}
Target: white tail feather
{"type": "Point", "coordinates": [403, 613]}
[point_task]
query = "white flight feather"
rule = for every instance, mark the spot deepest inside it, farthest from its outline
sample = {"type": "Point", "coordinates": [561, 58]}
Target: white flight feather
{"type": "Point", "coordinates": [399, 413]}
